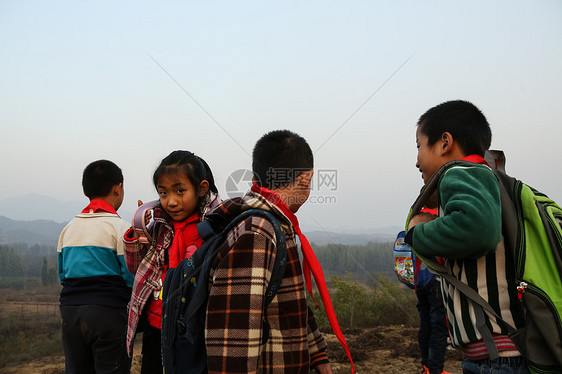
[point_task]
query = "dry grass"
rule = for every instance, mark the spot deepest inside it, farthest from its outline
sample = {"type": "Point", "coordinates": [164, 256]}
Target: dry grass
{"type": "Point", "coordinates": [30, 325]}
{"type": "Point", "coordinates": [30, 340]}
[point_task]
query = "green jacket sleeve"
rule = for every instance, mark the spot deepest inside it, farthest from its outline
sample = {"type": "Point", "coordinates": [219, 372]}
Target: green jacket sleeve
{"type": "Point", "coordinates": [470, 225]}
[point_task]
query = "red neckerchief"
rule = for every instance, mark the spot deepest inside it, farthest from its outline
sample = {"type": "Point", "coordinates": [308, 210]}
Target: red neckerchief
{"type": "Point", "coordinates": [310, 263]}
{"type": "Point", "coordinates": [476, 159]}
{"type": "Point", "coordinates": [99, 206]}
{"type": "Point", "coordinates": [186, 241]}
{"type": "Point", "coordinates": [182, 245]}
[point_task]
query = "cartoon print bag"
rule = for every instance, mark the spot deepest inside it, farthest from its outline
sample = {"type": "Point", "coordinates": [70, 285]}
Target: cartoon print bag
{"type": "Point", "coordinates": [404, 261]}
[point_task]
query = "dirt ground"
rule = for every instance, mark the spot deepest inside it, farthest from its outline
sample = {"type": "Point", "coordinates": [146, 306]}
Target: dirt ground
{"type": "Point", "coordinates": [387, 350]}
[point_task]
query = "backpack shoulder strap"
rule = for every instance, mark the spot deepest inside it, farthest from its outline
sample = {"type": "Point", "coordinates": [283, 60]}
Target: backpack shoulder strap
{"type": "Point", "coordinates": [278, 268]}
{"type": "Point", "coordinates": [511, 228]}
{"type": "Point", "coordinates": [426, 194]}
{"type": "Point", "coordinates": [430, 188]}
{"type": "Point", "coordinates": [280, 259]}
{"type": "Point", "coordinates": [280, 245]}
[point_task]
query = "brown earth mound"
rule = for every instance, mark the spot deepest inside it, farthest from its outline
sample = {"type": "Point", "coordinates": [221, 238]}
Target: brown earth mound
{"type": "Point", "coordinates": [388, 350]}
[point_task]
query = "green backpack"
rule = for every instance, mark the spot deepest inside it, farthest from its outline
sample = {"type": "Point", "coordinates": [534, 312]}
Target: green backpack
{"type": "Point", "coordinates": [532, 231]}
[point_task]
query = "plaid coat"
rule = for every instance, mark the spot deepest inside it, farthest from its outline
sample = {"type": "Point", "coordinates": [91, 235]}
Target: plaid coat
{"type": "Point", "coordinates": [147, 263]}
{"type": "Point", "coordinates": [238, 280]}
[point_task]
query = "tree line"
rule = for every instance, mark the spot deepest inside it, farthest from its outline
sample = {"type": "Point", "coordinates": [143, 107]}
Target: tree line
{"type": "Point", "coordinates": [20, 261]}
{"type": "Point", "coordinates": [365, 263]}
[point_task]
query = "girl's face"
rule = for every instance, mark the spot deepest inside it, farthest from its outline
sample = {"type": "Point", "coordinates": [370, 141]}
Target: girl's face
{"type": "Point", "coordinates": [178, 196]}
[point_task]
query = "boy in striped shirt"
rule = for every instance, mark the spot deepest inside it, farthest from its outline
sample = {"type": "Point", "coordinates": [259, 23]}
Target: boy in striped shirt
{"type": "Point", "coordinates": [96, 282]}
{"type": "Point", "coordinates": [467, 233]}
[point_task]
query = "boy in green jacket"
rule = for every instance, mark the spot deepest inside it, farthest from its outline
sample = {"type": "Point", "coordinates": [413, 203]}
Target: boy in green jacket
{"type": "Point", "coordinates": [467, 233]}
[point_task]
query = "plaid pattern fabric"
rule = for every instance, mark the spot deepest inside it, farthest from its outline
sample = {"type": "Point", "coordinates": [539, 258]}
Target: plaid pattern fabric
{"type": "Point", "coordinates": [238, 280]}
{"type": "Point", "coordinates": [147, 263]}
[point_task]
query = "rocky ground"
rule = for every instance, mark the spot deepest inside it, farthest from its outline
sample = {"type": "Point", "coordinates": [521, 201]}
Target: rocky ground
{"type": "Point", "coordinates": [388, 350]}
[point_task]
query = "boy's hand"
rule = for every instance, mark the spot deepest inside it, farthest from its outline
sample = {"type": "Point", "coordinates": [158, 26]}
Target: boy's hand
{"type": "Point", "coordinates": [421, 217]}
{"type": "Point", "coordinates": [323, 369]}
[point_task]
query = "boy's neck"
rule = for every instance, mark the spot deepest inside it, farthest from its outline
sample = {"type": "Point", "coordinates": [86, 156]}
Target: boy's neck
{"type": "Point", "coordinates": [455, 154]}
{"type": "Point", "coordinates": [112, 201]}
{"type": "Point", "coordinates": [288, 196]}
{"type": "Point", "coordinates": [114, 197]}
{"type": "Point", "coordinates": [284, 193]}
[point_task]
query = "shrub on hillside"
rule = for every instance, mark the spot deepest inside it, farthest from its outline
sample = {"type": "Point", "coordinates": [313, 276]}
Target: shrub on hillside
{"type": "Point", "coordinates": [361, 306]}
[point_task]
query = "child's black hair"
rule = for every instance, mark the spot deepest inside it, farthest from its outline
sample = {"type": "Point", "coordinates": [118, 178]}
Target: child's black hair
{"type": "Point", "coordinates": [194, 167]}
{"type": "Point", "coordinates": [279, 157]}
{"type": "Point", "coordinates": [466, 123]}
{"type": "Point", "coordinates": [99, 177]}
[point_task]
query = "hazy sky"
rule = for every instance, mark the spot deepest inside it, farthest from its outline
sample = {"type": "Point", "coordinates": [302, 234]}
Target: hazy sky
{"type": "Point", "coordinates": [130, 81]}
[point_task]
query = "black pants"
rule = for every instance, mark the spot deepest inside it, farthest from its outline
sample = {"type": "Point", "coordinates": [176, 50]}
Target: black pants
{"type": "Point", "coordinates": [432, 336]}
{"type": "Point", "coordinates": [151, 351]}
{"type": "Point", "coordinates": [94, 338]}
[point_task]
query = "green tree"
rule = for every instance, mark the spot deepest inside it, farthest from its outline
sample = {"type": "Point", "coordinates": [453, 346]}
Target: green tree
{"type": "Point", "coordinates": [10, 262]}
{"type": "Point", "coordinates": [352, 300]}
{"type": "Point", "coordinates": [45, 272]}
{"type": "Point", "coordinates": [360, 306]}
{"type": "Point", "coordinates": [53, 276]}
{"type": "Point", "coordinates": [394, 304]}
{"type": "Point", "coordinates": [49, 275]}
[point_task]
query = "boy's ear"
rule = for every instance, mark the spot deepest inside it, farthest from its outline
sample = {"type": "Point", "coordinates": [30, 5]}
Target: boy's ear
{"type": "Point", "coordinates": [116, 190]}
{"type": "Point", "coordinates": [203, 188]}
{"type": "Point", "coordinates": [447, 142]}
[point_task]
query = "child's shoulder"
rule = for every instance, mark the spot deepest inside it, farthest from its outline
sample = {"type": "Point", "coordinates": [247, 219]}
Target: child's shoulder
{"type": "Point", "coordinates": [469, 178]}
{"type": "Point", "coordinates": [465, 165]}
{"type": "Point", "coordinates": [465, 169]}
{"type": "Point", "coordinates": [100, 221]}
{"type": "Point", "coordinates": [254, 225]}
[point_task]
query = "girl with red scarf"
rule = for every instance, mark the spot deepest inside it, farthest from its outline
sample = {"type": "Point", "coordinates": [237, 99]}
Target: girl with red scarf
{"type": "Point", "coordinates": [186, 189]}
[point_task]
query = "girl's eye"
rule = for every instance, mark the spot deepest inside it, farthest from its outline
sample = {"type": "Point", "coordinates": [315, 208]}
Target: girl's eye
{"type": "Point", "coordinates": [161, 193]}
{"type": "Point", "coordinates": [181, 191]}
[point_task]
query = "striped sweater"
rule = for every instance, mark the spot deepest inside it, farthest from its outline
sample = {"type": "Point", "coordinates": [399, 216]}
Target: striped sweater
{"type": "Point", "coordinates": [468, 235]}
{"type": "Point", "coordinates": [91, 262]}
{"type": "Point", "coordinates": [238, 280]}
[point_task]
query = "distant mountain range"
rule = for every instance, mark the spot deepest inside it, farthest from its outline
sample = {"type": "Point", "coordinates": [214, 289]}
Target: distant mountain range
{"type": "Point", "coordinates": [30, 232]}
{"type": "Point", "coordinates": [35, 219]}
{"type": "Point", "coordinates": [43, 223]}
{"type": "Point", "coordinates": [327, 237]}
{"type": "Point", "coordinates": [46, 232]}
{"type": "Point", "coordinates": [32, 207]}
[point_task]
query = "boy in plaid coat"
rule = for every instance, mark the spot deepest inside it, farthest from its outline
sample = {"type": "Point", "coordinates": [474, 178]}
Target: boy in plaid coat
{"type": "Point", "coordinates": [282, 166]}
